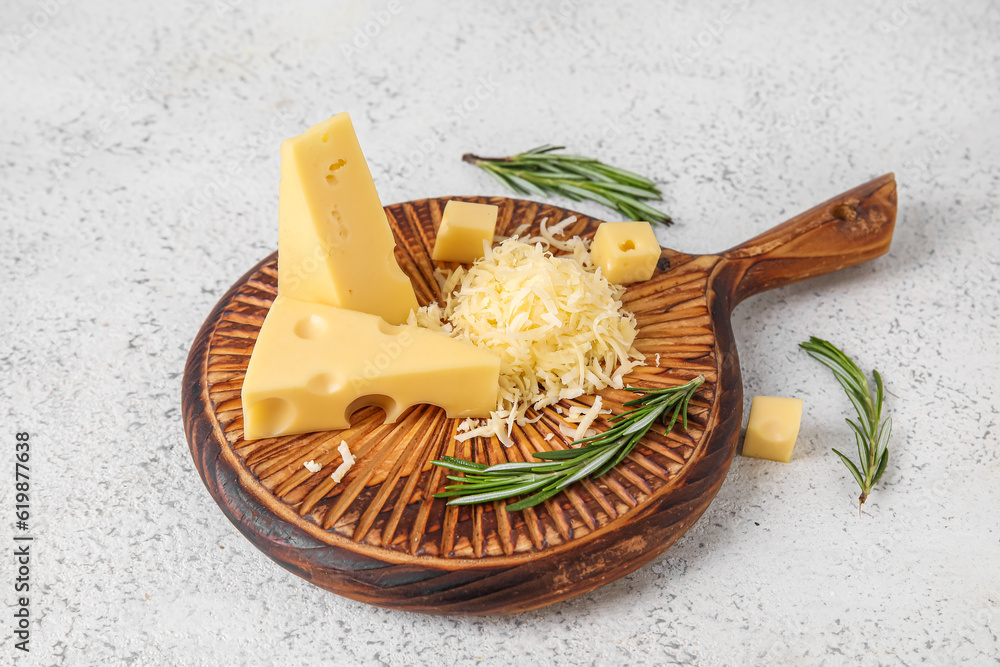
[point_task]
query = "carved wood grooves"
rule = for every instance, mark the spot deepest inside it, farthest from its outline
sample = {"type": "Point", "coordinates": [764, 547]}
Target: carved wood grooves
{"type": "Point", "coordinates": [379, 535]}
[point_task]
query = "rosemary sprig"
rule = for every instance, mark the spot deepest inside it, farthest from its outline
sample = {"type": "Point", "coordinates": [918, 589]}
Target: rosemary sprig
{"type": "Point", "coordinates": [540, 171]}
{"type": "Point", "coordinates": [558, 469]}
{"type": "Point", "coordinates": [871, 433]}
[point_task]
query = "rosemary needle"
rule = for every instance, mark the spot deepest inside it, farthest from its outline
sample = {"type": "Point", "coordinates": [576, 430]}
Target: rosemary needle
{"type": "Point", "coordinates": [870, 432]}
{"type": "Point", "coordinates": [557, 469]}
{"type": "Point", "coordinates": [542, 171]}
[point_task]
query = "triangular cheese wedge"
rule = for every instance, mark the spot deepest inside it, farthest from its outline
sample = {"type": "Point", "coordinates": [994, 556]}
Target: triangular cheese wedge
{"type": "Point", "coordinates": [314, 365]}
{"type": "Point", "coordinates": [334, 242]}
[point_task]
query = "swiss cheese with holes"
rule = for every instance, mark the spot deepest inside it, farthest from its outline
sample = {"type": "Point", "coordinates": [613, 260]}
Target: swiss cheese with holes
{"type": "Point", "coordinates": [313, 365]}
{"type": "Point", "coordinates": [626, 252]}
{"type": "Point", "coordinates": [334, 242]}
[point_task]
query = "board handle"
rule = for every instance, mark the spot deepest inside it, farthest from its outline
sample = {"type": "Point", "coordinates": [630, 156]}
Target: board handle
{"type": "Point", "coordinates": [849, 229]}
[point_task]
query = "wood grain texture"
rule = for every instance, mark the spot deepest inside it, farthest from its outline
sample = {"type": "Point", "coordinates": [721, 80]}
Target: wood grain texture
{"type": "Point", "coordinates": [379, 536]}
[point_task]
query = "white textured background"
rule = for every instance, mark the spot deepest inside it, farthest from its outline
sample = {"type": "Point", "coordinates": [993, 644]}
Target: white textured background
{"type": "Point", "coordinates": [138, 180]}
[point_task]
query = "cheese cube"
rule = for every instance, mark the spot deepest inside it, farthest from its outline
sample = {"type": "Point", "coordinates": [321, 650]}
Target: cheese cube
{"type": "Point", "coordinates": [464, 228]}
{"type": "Point", "coordinates": [627, 252]}
{"type": "Point", "coordinates": [313, 365]}
{"type": "Point", "coordinates": [772, 428]}
{"type": "Point", "coordinates": [335, 245]}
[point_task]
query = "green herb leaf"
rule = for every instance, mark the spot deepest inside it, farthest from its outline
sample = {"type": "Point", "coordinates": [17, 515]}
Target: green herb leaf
{"type": "Point", "coordinates": [542, 171]}
{"type": "Point", "coordinates": [872, 437]}
{"type": "Point", "coordinates": [555, 470]}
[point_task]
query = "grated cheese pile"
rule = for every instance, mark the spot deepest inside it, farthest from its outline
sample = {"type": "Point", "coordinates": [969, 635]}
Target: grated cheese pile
{"type": "Point", "coordinates": [555, 322]}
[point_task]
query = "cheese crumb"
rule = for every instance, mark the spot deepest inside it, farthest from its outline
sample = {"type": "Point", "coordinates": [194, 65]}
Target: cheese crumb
{"type": "Point", "coordinates": [312, 466]}
{"type": "Point", "coordinates": [557, 325]}
{"type": "Point", "coordinates": [571, 433]}
{"type": "Point", "coordinates": [657, 359]}
{"type": "Point", "coordinates": [549, 437]}
{"type": "Point", "coordinates": [588, 418]}
{"type": "Point", "coordinates": [466, 424]}
{"type": "Point", "coordinates": [348, 461]}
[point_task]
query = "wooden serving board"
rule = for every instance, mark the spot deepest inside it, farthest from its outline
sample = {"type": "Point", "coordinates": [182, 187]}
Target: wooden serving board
{"type": "Point", "coordinates": [380, 536]}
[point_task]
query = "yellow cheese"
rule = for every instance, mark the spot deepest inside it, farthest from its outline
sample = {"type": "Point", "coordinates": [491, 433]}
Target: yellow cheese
{"type": "Point", "coordinates": [334, 242]}
{"type": "Point", "coordinates": [313, 365]}
{"type": "Point", "coordinates": [464, 227]}
{"type": "Point", "coordinates": [772, 428]}
{"type": "Point", "coordinates": [626, 252]}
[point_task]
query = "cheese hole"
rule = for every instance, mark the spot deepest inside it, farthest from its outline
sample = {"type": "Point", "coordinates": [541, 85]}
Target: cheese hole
{"type": "Point", "coordinates": [388, 329]}
{"type": "Point", "coordinates": [326, 137]}
{"type": "Point", "coordinates": [331, 179]}
{"type": "Point", "coordinates": [381, 401]}
{"type": "Point", "coordinates": [273, 415]}
{"type": "Point", "coordinates": [312, 326]}
{"type": "Point", "coordinates": [338, 164]}
{"type": "Point", "coordinates": [628, 245]}
{"type": "Point", "coordinates": [338, 231]}
{"type": "Point", "coordinates": [323, 383]}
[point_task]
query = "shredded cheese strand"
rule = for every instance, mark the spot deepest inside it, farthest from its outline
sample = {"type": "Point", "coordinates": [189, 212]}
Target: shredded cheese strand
{"type": "Point", "coordinates": [348, 461]}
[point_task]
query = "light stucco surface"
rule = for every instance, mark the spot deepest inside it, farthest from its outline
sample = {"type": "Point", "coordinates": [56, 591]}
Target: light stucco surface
{"type": "Point", "coordinates": [138, 180]}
